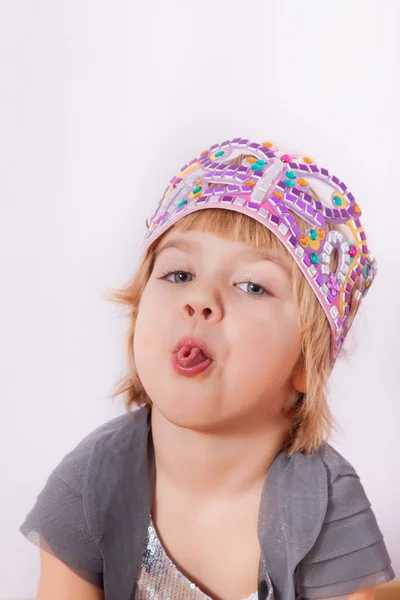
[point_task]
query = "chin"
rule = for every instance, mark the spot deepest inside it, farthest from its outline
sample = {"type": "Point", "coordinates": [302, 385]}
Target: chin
{"type": "Point", "coordinates": [187, 411]}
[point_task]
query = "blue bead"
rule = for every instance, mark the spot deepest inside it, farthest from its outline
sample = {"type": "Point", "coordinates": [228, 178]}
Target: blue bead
{"type": "Point", "coordinates": [291, 174]}
{"type": "Point", "coordinates": [260, 161]}
{"type": "Point", "coordinates": [256, 167]}
{"type": "Point", "coordinates": [289, 183]}
{"type": "Point", "coordinates": [220, 153]}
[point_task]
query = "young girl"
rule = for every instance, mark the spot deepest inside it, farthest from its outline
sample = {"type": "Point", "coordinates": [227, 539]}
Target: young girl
{"type": "Point", "coordinates": [221, 485]}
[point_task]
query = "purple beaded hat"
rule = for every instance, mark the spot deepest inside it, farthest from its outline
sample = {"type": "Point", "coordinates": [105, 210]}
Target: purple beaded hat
{"type": "Point", "coordinates": [268, 184]}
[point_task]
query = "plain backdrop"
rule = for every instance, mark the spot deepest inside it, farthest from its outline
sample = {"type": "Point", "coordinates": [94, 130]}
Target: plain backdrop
{"type": "Point", "coordinates": [101, 104]}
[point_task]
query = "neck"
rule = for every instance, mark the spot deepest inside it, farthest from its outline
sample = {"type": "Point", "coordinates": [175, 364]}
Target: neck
{"type": "Point", "coordinates": [227, 461]}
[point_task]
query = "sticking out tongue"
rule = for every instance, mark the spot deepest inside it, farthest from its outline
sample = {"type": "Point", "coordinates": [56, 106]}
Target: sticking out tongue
{"type": "Point", "coordinates": [190, 357]}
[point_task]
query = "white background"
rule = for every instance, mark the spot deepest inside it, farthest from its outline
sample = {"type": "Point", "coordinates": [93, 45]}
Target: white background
{"type": "Point", "coordinates": [101, 104]}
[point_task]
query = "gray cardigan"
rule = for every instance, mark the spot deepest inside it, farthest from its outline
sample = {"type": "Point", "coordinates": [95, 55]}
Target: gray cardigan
{"type": "Point", "coordinates": [318, 534]}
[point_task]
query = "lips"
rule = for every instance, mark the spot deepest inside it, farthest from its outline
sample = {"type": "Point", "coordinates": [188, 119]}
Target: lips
{"type": "Point", "coordinates": [192, 342]}
{"type": "Point", "coordinates": [191, 357]}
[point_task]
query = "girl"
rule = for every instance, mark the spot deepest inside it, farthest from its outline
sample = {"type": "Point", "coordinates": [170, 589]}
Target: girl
{"type": "Point", "coordinates": [221, 484]}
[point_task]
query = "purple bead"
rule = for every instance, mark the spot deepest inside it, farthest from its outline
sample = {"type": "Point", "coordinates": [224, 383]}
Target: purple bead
{"type": "Point", "coordinates": [348, 287]}
{"type": "Point", "coordinates": [325, 172]}
{"type": "Point", "coordinates": [243, 141]}
{"type": "Point", "coordinates": [350, 197]}
{"type": "Point", "coordinates": [264, 150]}
{"type": "Point", "coordinates": [339, 321]}
{"type": "Point", "coordinates": [357, 223]}
{"type": "Point", "coordinates": [364, 249]}
{"type": "Point", "coordinates": [253, 205]}
{"type": "Point", "coordinates": [225, 143]}
{"type": "Point", "coordinates": [235, 140]}
{"type": "Point", "coordinates": [318, 205]}
{"type": "Point", "coordinates": [253, 145]}
{"type": "Point", "coordinates": [335, 179]}
{"type": "Point", "coordinates": [343, 186]}
{"type": "Point", "coordinates": [347, 297]}
{"type": "Point", "coordinates": [310, 211]}
{"type": "Point", "coordinates": [330, 298]}
{"type": "Point", "coordinates": [296, 230]}
{"type": "Point", "coordinates": [314, 168]}
{"type": "Point", "coordinates": [306, 260]}
{"type": "Point", "coordinates": [227, 198]}
{"type": "Point", "coordinates": [293, 165]}
{"type": "Point", "coordinates": [363, 236]}
{"type": "Point", "coordinates": [289, 220]}
{"type": "Point", "coordinates": [300, 204]}
{"type": "Point", "coordinates": [328, 213]}
{"type": "Point", "coordinates": [303, 168]}
{"type": "Point", "coordinates": [274, 219]}
{"type": "Point", "coordinates": [293, 241]}
{"type": "Point", "coordinates": [214, 146]}
{"type": "Point", "coordinates": [320, 280]}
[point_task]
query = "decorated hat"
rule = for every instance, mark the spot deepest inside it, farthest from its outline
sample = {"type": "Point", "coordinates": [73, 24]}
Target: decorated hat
{"type": "Point", "coordinates": [271, 185]}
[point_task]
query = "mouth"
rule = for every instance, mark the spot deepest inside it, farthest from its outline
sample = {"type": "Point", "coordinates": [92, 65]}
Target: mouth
{"type": "Point", "coordinates": [191, 357]}
{"type": "Point", "coordinates": [192, 342]}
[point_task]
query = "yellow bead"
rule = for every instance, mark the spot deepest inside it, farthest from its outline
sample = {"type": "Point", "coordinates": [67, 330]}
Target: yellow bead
{"type": "Point", "coordinates": [268, 144]}
{"type": "Point", "coordinates": [251, 160]}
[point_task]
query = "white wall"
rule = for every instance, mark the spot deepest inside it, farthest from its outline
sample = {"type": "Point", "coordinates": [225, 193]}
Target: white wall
{"type": "Point", "coordinates": [95, 97]}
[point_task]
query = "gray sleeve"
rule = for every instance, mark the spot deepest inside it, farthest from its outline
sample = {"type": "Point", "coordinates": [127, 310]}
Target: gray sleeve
{"type": "Point", "coordinates": [349, 554]}
{"type": "Point", "coordinates": [58, 521]}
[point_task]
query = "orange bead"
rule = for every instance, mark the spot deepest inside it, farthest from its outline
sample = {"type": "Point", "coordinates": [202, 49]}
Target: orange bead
{"type": "Point", "coordinates": [203, 152]}
{"type": "Point", "coordinates": [250, 183]}
{"type": "Point", "coordinates": [308, 160]}
{"type": "Point", "coordinates": [304, 240]}
{"type": "Point", "coordinates": [268, 144]}
{"type": "Point", "coordinates": [302, 182]}
{"type": "Point", "coordinates": [368, 283]}
{"type": "Point", "coordinates": [251, 160]}
{"type": "Point", "coordinates": [357, 209]}
{"type": "Point", "coordinates": [321, 233]}
{"type": "Point", "coordinates": [278, 194]}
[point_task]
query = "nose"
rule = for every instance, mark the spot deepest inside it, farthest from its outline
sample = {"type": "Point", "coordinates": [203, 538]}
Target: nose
{"type": "Point", "coordinates": [203, 303]}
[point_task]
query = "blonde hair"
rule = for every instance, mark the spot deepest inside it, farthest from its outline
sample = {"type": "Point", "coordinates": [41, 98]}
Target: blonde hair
{"type": "Point", "coordinates": [311, 421]}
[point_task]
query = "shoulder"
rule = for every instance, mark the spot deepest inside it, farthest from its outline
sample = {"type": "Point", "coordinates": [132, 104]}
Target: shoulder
{"type": "Point", "coordinates": [349, 553]}
{"type": "Point", "coordinates": [111, 442]}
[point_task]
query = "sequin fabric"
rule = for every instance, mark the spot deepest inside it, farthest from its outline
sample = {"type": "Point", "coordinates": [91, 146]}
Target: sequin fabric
{"type": "Point", "coordinates": [160, 579]}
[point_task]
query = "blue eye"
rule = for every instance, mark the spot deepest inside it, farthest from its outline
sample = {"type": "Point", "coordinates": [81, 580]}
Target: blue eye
{"type": "Point", "coordinates": [180, 276]}
{"type": "Point", "coordinates": [253, 289]}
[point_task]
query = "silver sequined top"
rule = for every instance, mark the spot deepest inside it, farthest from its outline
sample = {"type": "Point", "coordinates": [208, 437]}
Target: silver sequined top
{"type": "Point", "coordinates": [160, 579]}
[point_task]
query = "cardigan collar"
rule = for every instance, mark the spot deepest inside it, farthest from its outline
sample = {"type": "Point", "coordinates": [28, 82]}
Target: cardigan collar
{"type": "Point", "coordinates": [292, 509]}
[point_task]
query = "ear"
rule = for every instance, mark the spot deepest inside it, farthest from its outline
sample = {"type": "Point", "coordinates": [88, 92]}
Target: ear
{"type": "Point", "coordinates": [299, 381]}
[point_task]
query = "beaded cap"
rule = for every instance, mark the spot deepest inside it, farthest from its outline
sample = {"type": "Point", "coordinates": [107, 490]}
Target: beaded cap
{"type": "Point", "coordinates": [268, 184]}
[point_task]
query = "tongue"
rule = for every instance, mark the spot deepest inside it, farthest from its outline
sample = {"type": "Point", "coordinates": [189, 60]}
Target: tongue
{"type": "Point", "coordinates": [190, 357]}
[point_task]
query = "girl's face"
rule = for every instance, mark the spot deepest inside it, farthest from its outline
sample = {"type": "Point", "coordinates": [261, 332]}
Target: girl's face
{"type": "Point", "coordinates": [240, 304]}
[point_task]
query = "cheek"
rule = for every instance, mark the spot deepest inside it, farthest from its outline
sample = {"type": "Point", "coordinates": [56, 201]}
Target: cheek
{"type": "Point", "coordinates": [266, 337]}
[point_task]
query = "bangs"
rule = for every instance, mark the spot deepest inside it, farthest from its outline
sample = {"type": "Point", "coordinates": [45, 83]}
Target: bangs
{"type": "Point", "coordinates": [231, 225]}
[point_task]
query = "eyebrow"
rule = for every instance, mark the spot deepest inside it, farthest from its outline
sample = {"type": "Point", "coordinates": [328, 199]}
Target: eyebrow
{"type": "Point", "coordinates": [253, 253]}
